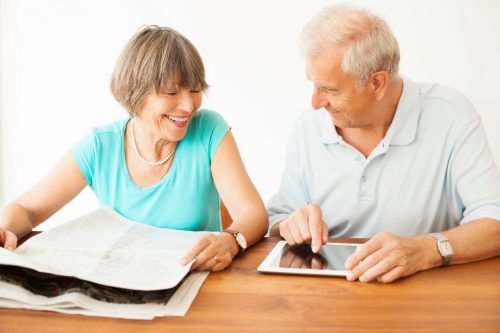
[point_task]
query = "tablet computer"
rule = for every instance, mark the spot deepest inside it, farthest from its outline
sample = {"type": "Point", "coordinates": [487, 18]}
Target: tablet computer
{"type": "Point", "coordinates": [300, 259]}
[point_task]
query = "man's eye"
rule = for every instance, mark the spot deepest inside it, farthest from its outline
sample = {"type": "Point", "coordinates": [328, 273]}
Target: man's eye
{"type": "Point", "coordinates": [331, 91]}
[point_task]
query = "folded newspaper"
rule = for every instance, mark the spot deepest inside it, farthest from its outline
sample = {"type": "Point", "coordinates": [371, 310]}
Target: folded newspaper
{"type": "Point", "coordinates": [102, 264]}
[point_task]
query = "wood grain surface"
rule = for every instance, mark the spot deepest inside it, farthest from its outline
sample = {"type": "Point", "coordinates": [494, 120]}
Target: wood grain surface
{"type": "Point", "coordinates": [462, 298]}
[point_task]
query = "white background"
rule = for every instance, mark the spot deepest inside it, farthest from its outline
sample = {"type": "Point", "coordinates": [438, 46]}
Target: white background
{"type": "Point", "coordinates": [56, 59]}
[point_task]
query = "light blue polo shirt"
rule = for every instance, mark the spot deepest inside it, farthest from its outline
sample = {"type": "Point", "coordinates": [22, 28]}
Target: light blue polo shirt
{"type": "Point", "coordinates": [432, 171]}
{"type": "Point", "coordinates": [185, 198]}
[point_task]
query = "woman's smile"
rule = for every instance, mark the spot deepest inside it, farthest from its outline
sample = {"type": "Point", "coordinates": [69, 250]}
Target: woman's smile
{"type": "Point", "coordinates": [178, 121]}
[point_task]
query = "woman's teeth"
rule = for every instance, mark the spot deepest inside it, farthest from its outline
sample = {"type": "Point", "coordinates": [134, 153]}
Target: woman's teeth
{"type": "Point", "coordinates": [179, 120]}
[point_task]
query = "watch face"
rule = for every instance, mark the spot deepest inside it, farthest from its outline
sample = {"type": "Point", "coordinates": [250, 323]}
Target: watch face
{"type": "Point", "coordinates": [241, 241]}
{"type": "Point", "coordinates": [446, 249]}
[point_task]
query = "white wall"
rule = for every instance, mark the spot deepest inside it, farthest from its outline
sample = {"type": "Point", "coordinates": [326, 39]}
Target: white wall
{"type": "Point", "coordinates": [57, 56]}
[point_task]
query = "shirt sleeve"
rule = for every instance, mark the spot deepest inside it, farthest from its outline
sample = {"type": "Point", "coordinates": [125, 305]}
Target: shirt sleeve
{"type": "Point", "coordinates": [293, 193]}
{"type": "Point", "coordinates": [212, 128]}
{"type": "Point", "coordinates": [475, 179]}
{"type": "Point", "coordinates": [84, 153]}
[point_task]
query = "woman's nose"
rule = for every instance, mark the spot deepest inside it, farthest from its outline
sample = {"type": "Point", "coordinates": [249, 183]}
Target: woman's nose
{"type": "Point", "coordinates": [186, 102]}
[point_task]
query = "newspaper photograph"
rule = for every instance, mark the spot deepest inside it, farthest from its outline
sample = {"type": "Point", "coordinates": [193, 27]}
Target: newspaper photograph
{"type": "Point", "coordinates": [102, 264]}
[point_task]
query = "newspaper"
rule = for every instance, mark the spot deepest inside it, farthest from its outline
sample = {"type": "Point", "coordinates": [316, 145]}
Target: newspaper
{"type": "Point", "coordinates": [104, 265]}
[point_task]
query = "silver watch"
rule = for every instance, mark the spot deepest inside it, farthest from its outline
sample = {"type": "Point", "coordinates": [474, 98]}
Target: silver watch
{"type": "Point", "coordinates": [444, 247]}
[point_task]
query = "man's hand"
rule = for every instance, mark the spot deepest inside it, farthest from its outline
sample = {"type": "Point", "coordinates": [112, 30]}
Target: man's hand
{"type": "Point", "coordinates": [387, 257]}
{"type": "Point", "coordinates": [8, 239]}
{"type": "Point", "coordinates": [305, 225]}
{"type": "Point", "coordinates": [302, 257]}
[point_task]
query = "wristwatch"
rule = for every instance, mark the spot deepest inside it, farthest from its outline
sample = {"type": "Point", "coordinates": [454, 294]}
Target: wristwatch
{"type": "Point", "coordinates": [240, 239]}
{"type": "Point", "coordinates": [444, 247]}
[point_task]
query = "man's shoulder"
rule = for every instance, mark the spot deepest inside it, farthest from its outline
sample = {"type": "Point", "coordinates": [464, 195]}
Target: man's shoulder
{"type": "Point", "coordinates": [445, 100]}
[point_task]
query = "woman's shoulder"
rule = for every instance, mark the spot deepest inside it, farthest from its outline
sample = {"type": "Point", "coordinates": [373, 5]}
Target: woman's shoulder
{"type": "Point", "coordinates": [208, 115]}
{"type": "Point", "coordinates": [104, 135]}
{"type": "Point", "coordinates": [206, 120]}
{"type": "Point", "coordinates": [116, 126]}
{"type": "Point", "coordinates": [208, 128]}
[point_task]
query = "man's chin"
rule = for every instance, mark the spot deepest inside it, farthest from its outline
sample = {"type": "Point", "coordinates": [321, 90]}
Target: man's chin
{"type": "Point", "coordinates": [337, 118]}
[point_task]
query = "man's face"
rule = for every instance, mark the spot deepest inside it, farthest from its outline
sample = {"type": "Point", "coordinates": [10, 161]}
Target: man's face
{"type": "Point", "coordinates": [337, 92]}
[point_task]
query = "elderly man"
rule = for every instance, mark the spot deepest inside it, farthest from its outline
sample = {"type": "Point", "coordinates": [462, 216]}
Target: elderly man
{"type": "Point", "coordinates": [404, 163]}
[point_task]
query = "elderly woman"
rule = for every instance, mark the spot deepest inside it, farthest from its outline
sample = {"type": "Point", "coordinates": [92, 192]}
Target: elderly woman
{"type": "Point", "coordinates": [165, 165]}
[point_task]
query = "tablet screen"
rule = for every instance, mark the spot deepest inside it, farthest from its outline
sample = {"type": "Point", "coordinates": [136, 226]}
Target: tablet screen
{"type": "Point", "coordinates": [301, 256]}
{"type": "Point", "coordinates": [330, 260]}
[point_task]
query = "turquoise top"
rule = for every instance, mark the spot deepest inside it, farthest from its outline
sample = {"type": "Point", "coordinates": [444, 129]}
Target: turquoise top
{"type": "Point", "coordinates": [185, 198]}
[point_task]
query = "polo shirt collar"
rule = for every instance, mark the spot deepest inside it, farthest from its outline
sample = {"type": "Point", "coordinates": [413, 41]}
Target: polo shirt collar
{"type": "Point", "coordinates": [403, 128]}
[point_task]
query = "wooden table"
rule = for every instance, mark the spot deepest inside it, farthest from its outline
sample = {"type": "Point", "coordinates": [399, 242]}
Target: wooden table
{"type": "Point", "coordinates": [463, 298]}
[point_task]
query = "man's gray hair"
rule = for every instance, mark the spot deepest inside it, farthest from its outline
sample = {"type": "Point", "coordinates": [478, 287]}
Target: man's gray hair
{"type": "Point", "coordinates": [370, 43]}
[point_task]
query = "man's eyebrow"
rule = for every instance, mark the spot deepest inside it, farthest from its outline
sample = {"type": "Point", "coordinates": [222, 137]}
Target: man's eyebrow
{"type": "Point", "coordinates": [325, 87]}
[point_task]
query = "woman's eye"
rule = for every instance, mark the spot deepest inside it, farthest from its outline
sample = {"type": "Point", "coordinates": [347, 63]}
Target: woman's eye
{"type": "Point", "coordinates": [170, 93]}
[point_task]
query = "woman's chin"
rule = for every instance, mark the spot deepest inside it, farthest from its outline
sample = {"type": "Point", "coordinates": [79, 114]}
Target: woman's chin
{"type": "Point", "coordinates": [174, 131]}
{"type": "Point", "coordinates": [175, 136]}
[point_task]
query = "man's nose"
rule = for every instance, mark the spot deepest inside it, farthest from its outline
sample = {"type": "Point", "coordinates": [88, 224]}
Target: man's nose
{"type": "Point", "coordinates": [318, 100]}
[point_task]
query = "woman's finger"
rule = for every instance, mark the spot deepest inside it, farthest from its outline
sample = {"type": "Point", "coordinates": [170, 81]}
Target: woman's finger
{"type": "Point", "coordinates": [194, 251]}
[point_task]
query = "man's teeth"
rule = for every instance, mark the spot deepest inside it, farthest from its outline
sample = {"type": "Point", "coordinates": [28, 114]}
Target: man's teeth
{"type": "Point", "coordinates": [179, 120]}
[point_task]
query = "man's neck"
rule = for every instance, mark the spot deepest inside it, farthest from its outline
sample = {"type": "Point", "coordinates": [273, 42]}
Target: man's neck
{"type": "Point", "coordinates": [366, 138]}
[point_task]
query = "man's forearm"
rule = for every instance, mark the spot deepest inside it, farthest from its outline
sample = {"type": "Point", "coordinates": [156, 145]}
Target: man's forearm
{"type": "Point", "coordinates": [473, 241]}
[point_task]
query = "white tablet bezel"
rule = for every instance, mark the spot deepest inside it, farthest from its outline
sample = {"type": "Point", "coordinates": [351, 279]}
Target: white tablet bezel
{"type": "Point", "coordinates": [265, 266]}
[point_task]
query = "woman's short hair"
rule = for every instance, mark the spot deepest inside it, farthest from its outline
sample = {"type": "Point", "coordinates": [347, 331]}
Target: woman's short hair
{"type": "Point", "coordinates": [154, 56]}
{"type": "Point", "coordinates": [370, 43]}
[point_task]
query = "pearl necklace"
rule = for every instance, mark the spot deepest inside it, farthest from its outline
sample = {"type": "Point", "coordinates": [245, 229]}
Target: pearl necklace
{"type": "Point", "coordinates": [134, 144]}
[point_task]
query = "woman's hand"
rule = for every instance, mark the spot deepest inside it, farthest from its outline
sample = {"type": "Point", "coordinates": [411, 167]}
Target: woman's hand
{"type": "Point", "coordinates": [8, 239]}
{"type": "Point", "coordinates": [212, 252]}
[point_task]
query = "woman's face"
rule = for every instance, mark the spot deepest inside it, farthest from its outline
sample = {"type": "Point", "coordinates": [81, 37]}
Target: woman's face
{"type": "Point", "coordinates": [167, 114]}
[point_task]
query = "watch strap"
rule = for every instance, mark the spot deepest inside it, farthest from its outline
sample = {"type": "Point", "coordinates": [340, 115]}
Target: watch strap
{"type": "Point", "coordinates": [235, 235]}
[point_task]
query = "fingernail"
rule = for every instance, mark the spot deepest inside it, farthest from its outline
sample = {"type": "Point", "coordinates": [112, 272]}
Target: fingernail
{"type": "Point", "coordinates": [183, 261]}
{"type": "Point", "coordinates": [10, 248]}
{"type": "Point", "coordinates": [349, 276]}
{"type": "Point", "coordinates": [362, 278]}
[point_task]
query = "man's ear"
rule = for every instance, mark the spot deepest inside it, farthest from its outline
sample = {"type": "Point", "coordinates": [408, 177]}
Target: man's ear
{"type": "Point", "coordinates": [379, 83]}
